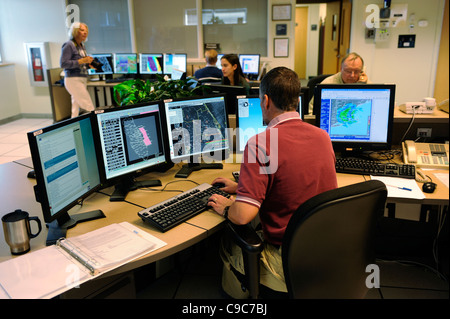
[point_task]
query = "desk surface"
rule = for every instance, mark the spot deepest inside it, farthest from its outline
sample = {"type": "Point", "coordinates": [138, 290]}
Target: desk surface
{"type": "Point", "coordinates": [16, 191]}
{"type": "Point", "coordinates": [436, 117]}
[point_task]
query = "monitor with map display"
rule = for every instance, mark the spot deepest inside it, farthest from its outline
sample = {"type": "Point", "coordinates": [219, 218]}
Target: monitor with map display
{"type": "Point", "coordinates": [132, 141]}
{"type": "Point", "coordinates": [197, 131]}
{"type": "Point", "coordinates": [125, 63]}
{"type": "Point", "coordinates": [151, 63]}
{"type": "Point", "coordinates": [357, 117]}
{"type": "Point", "coordinates": [106, 59]}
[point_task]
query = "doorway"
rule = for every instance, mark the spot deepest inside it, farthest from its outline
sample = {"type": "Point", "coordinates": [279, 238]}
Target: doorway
{"type": "Point", "coordinates": [301, 36]}
{"type": "Point", "coordinates": [333, 40]}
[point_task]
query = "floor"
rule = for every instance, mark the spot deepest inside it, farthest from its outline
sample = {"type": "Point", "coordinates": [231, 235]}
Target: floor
{"type": "Point", "coordinates": [198, 274]}
{"type": "Point", "coordinates": [199, 277]}
{"type": "Point", "coordinates": [13, 138]}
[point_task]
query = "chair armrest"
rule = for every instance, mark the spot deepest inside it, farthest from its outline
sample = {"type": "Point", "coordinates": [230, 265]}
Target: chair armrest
{"type": "Point", "coordinates": [246, 237]}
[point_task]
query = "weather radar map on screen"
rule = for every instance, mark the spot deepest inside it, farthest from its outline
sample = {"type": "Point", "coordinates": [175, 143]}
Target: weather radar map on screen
{"type": "Point", "coordinates": [351, 116]}
{"type": "Point", "coordinates": [205, 116]}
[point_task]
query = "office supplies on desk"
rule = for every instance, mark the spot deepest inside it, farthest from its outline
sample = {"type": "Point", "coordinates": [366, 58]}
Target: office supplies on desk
{"type": "Point", "coordinates": [369, 167]}
{"type": "Point", "coordinates": [175, 210]}
{"type": "Point", "coordinates": [53, 270]}
{"type": "Point", "coordinates": [396, 187]}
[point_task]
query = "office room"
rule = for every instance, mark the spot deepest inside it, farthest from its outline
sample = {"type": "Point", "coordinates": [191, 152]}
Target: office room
{"type": "Point", "coordinates": [409, 49]}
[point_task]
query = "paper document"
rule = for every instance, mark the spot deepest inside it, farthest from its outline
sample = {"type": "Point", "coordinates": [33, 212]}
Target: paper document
{"type": "Point", "coordinates": [50, 271]}
{"type": "Point", "coordinates": [401, 187]}
{"type": "Point", "coordinates": [443, 178]}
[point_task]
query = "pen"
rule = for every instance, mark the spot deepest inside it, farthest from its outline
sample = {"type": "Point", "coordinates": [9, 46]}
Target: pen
{"type": "Point", "coordinates": [404, 188]}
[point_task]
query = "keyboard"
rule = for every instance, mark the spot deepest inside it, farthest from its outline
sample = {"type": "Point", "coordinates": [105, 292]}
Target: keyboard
{"type": "Point", "coordinates": [116, 80]}
{"type": "Point", "coordinates": [369, 167]}
{"type": "Point", "coordinates": [175, 210]}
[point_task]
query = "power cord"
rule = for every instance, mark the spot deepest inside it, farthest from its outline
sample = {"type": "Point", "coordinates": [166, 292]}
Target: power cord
{"type": "Point", "coordinates": [410, 123]}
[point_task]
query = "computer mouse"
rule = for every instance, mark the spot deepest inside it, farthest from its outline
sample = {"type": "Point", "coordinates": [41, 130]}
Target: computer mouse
{"type": "Point", "coordinates": [429, 187]}
{"type": "Point", "coordinates": [218, 185]}
{"type": "Point", "coordinates": [31, 174]}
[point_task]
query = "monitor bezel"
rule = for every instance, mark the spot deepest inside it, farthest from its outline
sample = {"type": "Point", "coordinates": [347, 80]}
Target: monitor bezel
{"type": "Point", "coordinates": [151, 73]}
{"type": "Point", "coordinates": [359, 146]}
{"type": "Point", "coordinates": [111, 55]}
{"type": "Point", "coordinates": [225, 153]}
{"type": "Point", "coordinates": [130, 53]}
{"type": "Point", "coordinates": [41, 191]}
{"type": "Point", "coordinates": [230, 92]}
{"type": "Point", "coordinates": [250, 54]}
{"type": "Point", "coordinates": [109, 181]}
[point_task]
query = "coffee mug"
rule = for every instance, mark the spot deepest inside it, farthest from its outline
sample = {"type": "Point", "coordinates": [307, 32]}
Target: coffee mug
{"type": "Point", "coordinates": [17, 230]}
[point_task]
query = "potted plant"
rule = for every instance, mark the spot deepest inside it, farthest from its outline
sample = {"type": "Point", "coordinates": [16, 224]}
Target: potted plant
{"type": "Point", "coordinates": [136, 91]}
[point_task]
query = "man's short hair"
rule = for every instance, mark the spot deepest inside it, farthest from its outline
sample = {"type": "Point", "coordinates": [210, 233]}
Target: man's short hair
{"type": "Point", "coordinates": [211, 56]}
{"type": "Point", "coordinates": [282, 85]}
{"type": "Point", "coordinates": [351, 57]}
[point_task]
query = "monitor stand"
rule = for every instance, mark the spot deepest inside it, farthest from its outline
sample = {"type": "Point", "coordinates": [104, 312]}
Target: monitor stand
{"type": "Point", "coordinates": [128, 184]}
{"type": "Point", "coordinates": [187, 169]}
{"type": "Point", "coordinates": [58, 228]}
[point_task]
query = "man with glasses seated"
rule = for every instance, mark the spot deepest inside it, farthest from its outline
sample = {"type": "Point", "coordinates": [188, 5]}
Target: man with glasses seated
{"type": "Point", "coordinates": [352, 71]}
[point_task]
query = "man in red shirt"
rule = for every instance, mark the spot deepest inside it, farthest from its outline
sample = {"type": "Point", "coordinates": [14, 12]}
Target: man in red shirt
{"type": "Point", "coordinates": [288, 163]}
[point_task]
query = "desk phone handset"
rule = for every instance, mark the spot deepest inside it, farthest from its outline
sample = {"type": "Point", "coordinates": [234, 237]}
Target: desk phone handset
{"type": "Point", "coordinates": [426, 155]}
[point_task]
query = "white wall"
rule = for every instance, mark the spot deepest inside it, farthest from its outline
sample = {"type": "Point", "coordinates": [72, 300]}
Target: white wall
{"type": "Point", "coordinates": [29, 21]}
{"type": "Point", "coordinates": [413, 70]}
{"type": "Point", "coordinates": [271, 60]}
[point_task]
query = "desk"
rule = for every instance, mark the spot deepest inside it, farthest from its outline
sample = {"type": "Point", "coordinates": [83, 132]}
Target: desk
{"type": "Point", "coordinates": [437, 121]}
{"type": "Point", "coordinates": [16, 191]}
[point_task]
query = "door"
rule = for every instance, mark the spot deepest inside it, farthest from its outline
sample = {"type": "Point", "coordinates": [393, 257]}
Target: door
{"type": "Point", "coordinates": [336, 35]}
{"type": "Point", "coordinates": [301, 31]}
{"type": "Point", "coordinates": [344, 37]}
{"type": "Point", "coordinates": [331, 39]}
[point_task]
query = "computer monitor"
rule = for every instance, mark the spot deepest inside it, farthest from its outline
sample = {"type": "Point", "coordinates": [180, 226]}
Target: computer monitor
{"type": "Point", "coordinates": [357, 117]}
{"type": "Point", "coordinates": [65, 164]}
{"type": "Point", "coordinates": [198, 132]}
{"type": "Point", "coordinates": [249, 119]}
{"type": "Point", "coordinates": [133, 141]}
{"type": "Point", "coordinates": [106, 59]}
{"type": "Point", "coordinates": [218, 63]}
{"type": "Point", "coordinates": [175, 63]}
{"type": "Point", "coordinates": [249, 63]}
{"type": "Point", "coordinates": [125, 63]}
{"type": "Point", "coordinates": [230, 91]}
{"type": "Point", "coordinates": [151, 63]}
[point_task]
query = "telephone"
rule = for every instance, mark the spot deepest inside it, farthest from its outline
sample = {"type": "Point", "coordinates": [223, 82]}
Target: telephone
{"type": "Point", "coordinates": [426, 155]}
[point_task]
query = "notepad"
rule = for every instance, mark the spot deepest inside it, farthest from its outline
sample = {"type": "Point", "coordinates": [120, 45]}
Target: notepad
{"type": "Point", "coordinates": [50, 271]}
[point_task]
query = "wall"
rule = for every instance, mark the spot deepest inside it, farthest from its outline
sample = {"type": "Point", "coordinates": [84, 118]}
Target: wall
{"type": "Point", "coordinates": [442, 85]}
{"type": "Point", "coordinates": [413, 70]}
{"type": "Point", "coordinates": [9, 102]}
{"type": "Point", "coordinates": [29, 21]}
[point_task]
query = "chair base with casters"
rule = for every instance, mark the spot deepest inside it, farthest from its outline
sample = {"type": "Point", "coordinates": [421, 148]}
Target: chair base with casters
{"type": "Point", "coordinates": [327, 245]}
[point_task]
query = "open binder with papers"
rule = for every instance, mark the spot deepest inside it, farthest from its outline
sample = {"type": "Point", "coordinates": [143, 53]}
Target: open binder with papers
{"type": "Point", "coordinates": [53, 270]}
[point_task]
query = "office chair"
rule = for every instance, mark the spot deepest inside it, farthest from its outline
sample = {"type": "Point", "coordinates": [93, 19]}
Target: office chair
{"type": "Point", "coordinates": [211, 80]}
{"type": "Point", "coordinates": [327, 245]}
{"type": "Point", "coordinates": [313, 82]}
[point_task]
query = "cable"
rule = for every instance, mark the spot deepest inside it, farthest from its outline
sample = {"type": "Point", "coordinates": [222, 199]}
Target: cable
{"type": "Point", "coordinates": [410, 123]}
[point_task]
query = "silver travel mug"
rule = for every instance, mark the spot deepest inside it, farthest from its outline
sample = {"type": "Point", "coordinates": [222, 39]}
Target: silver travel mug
{"type": "Point", "coordinates": [17, 230]}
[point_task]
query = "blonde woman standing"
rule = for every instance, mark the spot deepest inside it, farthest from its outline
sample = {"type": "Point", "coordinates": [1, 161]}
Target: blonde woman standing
{"type": "Point", "coordinates": [75, 62]}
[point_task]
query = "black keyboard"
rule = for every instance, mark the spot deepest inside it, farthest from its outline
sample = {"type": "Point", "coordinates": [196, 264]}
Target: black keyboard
{"type": "Point", "coordinates": [116, 80]}
{"type": "Point", "coordinates": [174, 211]}
{"type": "Point", "coordinates": [369, 167]}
